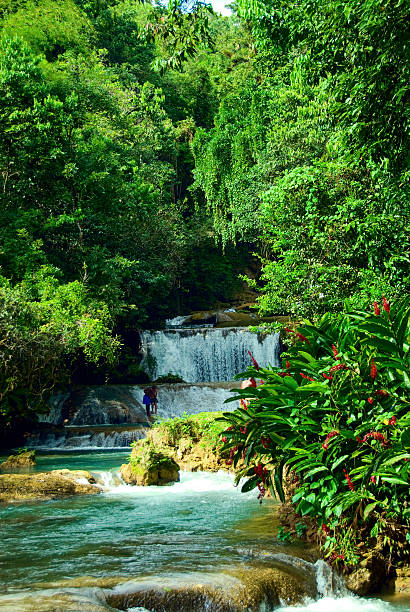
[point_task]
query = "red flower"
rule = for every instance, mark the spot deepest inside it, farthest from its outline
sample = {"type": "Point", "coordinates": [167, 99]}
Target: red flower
{"type": "Point", "coordinates": [376, 309]}
{"type": "Point", "coordinates": [339, 366]}
{"type": "Point", "coordinates": [254, 362]}
{"type": "Point", "coordinates": [325, 528]}
{"type": "Point", "coordinates": [335, 352]}
{"type": "Point", "coordinates": [382, 393]}
{"type": "Point", "coordinates": [373, 479]}
{"type": "Point", "coordinates": [370, 400]}
{"type": "Point", "coordinates": [307, 377]}
{"type": "Point", "coordinates": [373, 370]}
{"type": "Point", "coordinates": [265, 441]}
{"type": "Point", "coordinates": [243, 429]}
{"type": "Point", "coordinates": [386, 305]}
{"type": "Point", "coordinates": [287, 365]}
{"type": "Point", "coordinates": [392, 421]}
{"type": "Point", "coordinates": [327, 377]}
{"type": "Point", "coordinates": [224, 439]}
{"type": "Point", "coordinates": [376, 435]}
{"type": "Point", "coordinates": [349, 481]}
{"type": "Point", "coordinates": [329, 436]}
{"type": "Point", "coordinates": [283, 374]}
{"type": "Point", "coordinates": [299, 335]}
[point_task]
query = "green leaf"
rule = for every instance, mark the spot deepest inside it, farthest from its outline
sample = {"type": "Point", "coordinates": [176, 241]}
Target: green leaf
{"type": "Point", "coordinates": [369, 508]}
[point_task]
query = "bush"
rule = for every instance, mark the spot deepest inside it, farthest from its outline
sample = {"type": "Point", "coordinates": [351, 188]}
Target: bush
{"type": "Point", "coordinates": [337, 414]}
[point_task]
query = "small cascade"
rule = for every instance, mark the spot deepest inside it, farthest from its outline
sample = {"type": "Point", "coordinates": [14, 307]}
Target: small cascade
{"type": "Point", "coordinates": [86, 438]}
{"type": "Point", "coordinates": [176, 399]}
{"type": "Point", "coordinates": [206, 354]}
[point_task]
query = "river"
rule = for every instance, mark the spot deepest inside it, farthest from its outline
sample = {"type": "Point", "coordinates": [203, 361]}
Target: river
{"type": "Point", "coordinates": [77, 554]}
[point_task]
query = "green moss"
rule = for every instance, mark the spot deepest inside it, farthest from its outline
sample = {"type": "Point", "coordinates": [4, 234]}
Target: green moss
{"type": "Point", "coordinates": [204, 426]}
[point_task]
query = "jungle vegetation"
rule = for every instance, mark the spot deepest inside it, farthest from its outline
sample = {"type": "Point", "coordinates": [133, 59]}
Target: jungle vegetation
{"type": "Point", "coordinates": [147, 152]}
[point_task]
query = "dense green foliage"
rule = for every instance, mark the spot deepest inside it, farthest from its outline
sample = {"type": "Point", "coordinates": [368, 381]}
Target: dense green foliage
{"type": "Point", "coordinates": [139, 142]}
{"type": "Point", "coordinates": [98, 233]}
{"type": "Point", "coordinates": [337, 414]}
{"type": "Point", "coordinates": [310, 155]}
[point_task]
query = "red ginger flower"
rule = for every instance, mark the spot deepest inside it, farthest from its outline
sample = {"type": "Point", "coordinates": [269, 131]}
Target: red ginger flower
{"type": "Point", "coordinates": [224, 439]}
{"type": "Point", "coordinates": [327, 377]}
{"type": "Point", "coordinates": [373, 479]}
{"type": "Point", "coordinates": [299, 335]}
{"type": "Point", "coordinates": [329, 436]}
{"type": "Point", "coordinates": [254, 362]}
{"type": "Point", "coordinates": [335, 352]}
{"type": "Point", "coordinates": [386, 305]}
{"type": "Point", "coordinates": [283, 374]}
{"type": "Point", "coordinates": [339, 366]}
{"type": "Point", "coordinates": [376, 309]}
{"type": "Point", "coordinates": [370, 400]}
{"type": "Point", "coordinates": [382, 393]}
{"type": "Point", "coordinates": [325, 528]}
{"type": "Point", "coordinates": [287, 365]}
{"type": "Point", "coordinates": [307, 377]}
{"type": "Point", "coordinates": [392, 421]}
{"type": "Point", "coordinates": [373, 370]}
{"type": "Point", "coordinates": [349, 481]}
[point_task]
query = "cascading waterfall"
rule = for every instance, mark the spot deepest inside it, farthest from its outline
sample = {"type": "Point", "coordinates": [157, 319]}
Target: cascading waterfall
{"type": "Point", "coordinates": [113, 416]}
{"type": "Point", "coordinates": [94, 425]}
{"type": "Point", "coordinates": [206, 354]}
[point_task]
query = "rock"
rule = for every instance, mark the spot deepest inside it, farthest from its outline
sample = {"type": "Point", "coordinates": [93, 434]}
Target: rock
{"type": "Point", "coordinates": [45, 485]}
{"type": "Point", "coordinates": [75, 475]}
{"type": "Point", "coordinates": [370, 576]}
{"type": "Point", "coordinates": [149, 466]}
{"type": "Point", "coordinates": [99, 405]}
{"type": "Point", "coordinates": [22, 460]}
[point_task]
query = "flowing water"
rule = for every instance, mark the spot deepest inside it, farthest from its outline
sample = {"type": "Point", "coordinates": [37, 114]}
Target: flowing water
{"type": "Point", "coordinates": [206, 354]}
{"type": "Point", "coordinates": [198, 545]}
{"type": "Point", "coordinates": [130, 543]}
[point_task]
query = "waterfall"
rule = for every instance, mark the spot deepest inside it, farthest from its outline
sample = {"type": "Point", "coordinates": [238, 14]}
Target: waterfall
{"type": "Point", "coordinates": [206, 354]}
{"type": "Point", "coordinates": [106, 424]}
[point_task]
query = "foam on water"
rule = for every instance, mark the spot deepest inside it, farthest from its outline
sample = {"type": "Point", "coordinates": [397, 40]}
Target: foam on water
{"type": "Point", "coordinates": [346, 604]}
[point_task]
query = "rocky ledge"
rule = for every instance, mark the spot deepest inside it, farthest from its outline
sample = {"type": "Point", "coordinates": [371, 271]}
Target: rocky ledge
{"type": "Point", "coordinates": [46, 485]}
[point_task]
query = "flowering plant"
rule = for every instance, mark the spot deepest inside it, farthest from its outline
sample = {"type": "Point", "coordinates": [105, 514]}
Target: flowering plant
{"type": "Point", "coordinates": [314, 417]}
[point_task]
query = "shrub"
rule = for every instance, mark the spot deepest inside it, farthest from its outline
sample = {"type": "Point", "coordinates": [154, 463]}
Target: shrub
{"type": "Point", "coordinates": [337, 414]}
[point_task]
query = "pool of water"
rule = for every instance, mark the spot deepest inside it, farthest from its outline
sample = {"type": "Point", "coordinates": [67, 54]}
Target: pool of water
{"type": "Point", "coordinates": [201, 526]}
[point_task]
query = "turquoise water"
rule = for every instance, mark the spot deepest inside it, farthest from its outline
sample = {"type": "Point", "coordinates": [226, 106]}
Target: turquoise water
{"type": "Point", "coordinates": [64, 550]}
{"type": "Point", "coordinates": [194, 525]}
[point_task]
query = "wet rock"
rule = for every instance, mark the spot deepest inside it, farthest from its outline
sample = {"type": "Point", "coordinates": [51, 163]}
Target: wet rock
{"type": "Point", "coordinates": [45, 485]}
{"type": "Point", "coordinates": [75, 475]}
{"type": "Point", "coordinates": [246, 591]}
{"type": "Point", "coordinates": [22, 460]}
{"type": "Point", "coordinates": [99, 405]}
{"type": "Point", "coordinates": [370, 575]}
{"type": "Point", "coordinates": [149, 466]}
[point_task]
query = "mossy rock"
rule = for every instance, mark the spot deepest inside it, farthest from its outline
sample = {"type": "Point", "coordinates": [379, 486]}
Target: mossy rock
{"type": "Point", "coordinates": [149, 466]}
{"type": "Point", "coordinates": [22, 460]}
{"type": "Point", "coordinates": [45, 485]}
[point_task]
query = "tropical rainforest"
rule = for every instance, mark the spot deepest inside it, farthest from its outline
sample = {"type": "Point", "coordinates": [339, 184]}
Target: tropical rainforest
{"type": "Point", "coordinates": [148, 151]}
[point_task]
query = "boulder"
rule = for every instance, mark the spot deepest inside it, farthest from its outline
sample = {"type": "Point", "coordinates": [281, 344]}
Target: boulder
{"type": "Point", "coordinates": [22, 460]}
{"type": "Point", "coordinates": [149, 466]}
{"type": "Point", "coordinates": [370, 575]}
{"type": "Point", "coordinates": [45, 485]}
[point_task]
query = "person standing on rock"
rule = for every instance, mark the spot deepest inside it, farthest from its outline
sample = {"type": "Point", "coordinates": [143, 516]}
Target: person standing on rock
{"type": "Point", "coordinates": [146, 400]}
{"type": "Point", "coordinates": [154, 399]}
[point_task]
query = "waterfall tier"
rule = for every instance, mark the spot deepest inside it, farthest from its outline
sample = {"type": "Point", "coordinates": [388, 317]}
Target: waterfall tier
{"type": "Point", "coordinates": [113, 416]}
{"type": "Point", "coordinates": [206, 354]}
